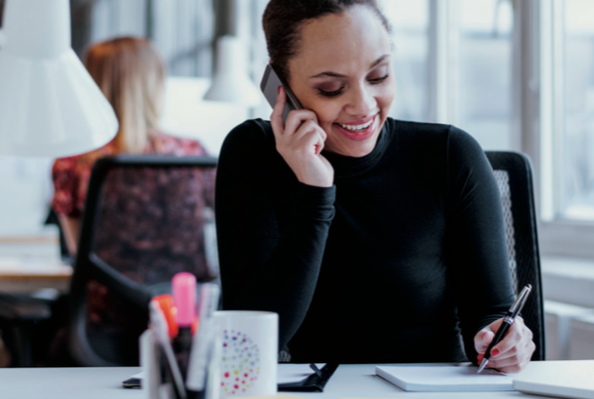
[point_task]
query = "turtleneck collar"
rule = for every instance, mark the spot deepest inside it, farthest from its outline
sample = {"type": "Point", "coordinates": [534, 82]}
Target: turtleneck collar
{"type": "Point", "coordinates": [346, 166]}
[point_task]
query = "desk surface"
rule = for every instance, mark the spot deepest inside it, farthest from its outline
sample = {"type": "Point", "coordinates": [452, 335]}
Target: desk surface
{"type": "Point", "coordinates": [26, 275]}
{"type": "Point", "coordinates": [349, 381]}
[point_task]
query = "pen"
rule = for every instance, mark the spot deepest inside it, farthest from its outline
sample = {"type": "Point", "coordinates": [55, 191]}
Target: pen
{"type": "Point", "coordinates": [204, 337]}
{"type": "Point", "coordinates": [509, 319]}
{"type": "Point", "coordinates": [184, 296]}
{"type": "Point", "coordinates": [159, 324]}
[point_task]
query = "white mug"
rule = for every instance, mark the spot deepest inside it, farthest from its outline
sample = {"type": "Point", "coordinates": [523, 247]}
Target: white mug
{"type": "Point", "coordinates": [248, 352]}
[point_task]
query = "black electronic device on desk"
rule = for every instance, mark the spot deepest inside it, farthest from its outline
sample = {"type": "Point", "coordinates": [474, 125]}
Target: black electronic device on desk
{"type": "Point", "coordinates": [312, 383]}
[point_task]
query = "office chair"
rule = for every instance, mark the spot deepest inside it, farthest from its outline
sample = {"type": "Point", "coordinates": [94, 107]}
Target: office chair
{"type": "Point", "coordinates": [147, 217]}
{"type": "Point", "coordinates": [514, 177]}
{"type": "Point", "coordinates": [27, 321]}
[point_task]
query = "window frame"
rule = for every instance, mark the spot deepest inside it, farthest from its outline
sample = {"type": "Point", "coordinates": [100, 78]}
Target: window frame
{"type": "Point", "coordinates": [540, 72]}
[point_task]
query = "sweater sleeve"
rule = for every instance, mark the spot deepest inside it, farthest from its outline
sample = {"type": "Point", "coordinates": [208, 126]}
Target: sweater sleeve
{"type": "Point", "coordinates": [264, 266]}
{"type": "Point", "coordinates": [477, 244]}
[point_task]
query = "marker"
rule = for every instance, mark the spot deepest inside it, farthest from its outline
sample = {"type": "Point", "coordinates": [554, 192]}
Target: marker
{"type": "Point", "coordinates": [184, 296]}
{"type": "Point", "coordinates": [509, 319]}
{"type": "Point", "coordinates": [159, 325]}
{"type": "Point", "coordinates": [167, 306]}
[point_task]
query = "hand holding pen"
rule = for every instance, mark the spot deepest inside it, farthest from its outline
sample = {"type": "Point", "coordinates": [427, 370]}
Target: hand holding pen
{"type": "Point", "coordinates": [506, 344]}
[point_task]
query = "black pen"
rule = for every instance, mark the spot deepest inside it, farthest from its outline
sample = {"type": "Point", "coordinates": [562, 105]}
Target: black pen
{"type": "Point", "coordinates": [509, 319]}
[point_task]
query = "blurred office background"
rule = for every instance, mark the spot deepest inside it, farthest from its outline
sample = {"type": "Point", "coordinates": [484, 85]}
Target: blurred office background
{"type": "Point", "coordinates": [516, 74]}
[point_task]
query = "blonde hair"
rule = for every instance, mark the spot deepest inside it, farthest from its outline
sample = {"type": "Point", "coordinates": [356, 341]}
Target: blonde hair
{"type": "Point", "coordinates": [131, 74]}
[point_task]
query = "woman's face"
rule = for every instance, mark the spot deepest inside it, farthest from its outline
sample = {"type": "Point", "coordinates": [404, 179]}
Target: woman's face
{"type": "Point", "coordinates": [343, 72]}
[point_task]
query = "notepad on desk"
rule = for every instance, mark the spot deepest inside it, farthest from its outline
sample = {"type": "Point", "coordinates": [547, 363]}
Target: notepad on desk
{"type": "Point", "coordinates": [444, 378]}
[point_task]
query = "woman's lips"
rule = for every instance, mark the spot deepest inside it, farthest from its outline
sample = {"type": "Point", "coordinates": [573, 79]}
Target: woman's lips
{"type": "Point", "coordinates": [359, 135]}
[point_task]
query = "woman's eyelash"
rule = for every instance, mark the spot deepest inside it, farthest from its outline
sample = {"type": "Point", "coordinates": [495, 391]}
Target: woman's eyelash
{"type": "Point", "coordinates": [379, 80]}
{"type": "Point", "coordinates": [337, 92]}
{"type": "Point", "coordinates": [330, 93]}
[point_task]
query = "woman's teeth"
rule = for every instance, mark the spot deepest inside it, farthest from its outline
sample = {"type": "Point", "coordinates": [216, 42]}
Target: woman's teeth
{"type": "Point", "coordinates": [355, 128]}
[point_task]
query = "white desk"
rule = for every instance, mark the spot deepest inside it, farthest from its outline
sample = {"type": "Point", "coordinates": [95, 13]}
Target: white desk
{"type": "Point", "coordinates": [349, 381]}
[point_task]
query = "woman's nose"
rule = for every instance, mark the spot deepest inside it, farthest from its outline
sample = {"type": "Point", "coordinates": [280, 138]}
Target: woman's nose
{"type": "Point", "coordinates": [361, 102]}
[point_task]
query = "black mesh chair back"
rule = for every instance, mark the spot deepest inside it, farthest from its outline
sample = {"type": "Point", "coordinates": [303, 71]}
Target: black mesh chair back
{"type": "Point", "coordinates": [146, 218]}
{"type": "Point", "coordinates": [514, 177]}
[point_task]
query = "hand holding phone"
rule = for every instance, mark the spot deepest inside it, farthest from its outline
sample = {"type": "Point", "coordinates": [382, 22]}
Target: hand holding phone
{"type": "Point", "coordinates": [299, 137]}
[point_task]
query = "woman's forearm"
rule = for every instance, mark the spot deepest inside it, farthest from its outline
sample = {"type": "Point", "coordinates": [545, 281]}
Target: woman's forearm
{"type": "Point", "coordinates": [70, 228]}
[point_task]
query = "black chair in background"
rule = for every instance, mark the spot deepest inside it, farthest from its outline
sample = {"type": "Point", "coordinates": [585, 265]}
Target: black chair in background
{"type": "Point", "coordinates": [514, 176]}
{"type": "Point", "coordinates": [146, 218]}
{"type": "Point", "coordinates": [28, 321]}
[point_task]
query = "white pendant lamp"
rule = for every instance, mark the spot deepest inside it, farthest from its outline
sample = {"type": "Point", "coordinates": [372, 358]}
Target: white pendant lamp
{"type": "Point", "coordinates": [49, 104]}
{"type": "Point", "coordinates": [231, 82]}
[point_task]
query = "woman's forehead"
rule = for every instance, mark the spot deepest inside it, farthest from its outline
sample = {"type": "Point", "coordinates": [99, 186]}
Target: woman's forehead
{"type": "Point", "coordinates": [353, 39]}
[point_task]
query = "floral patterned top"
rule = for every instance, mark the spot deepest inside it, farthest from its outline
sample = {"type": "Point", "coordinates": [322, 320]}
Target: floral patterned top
{"type": "Point", "coordinates": [71, 174]}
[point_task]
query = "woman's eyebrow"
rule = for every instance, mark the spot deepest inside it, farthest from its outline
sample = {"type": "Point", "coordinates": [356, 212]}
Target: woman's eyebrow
{"type": "Point", "coordinates": [338, 75]}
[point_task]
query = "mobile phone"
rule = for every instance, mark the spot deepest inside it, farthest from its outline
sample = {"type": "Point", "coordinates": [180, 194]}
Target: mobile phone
{"type": "Point", "coordinates": [269, 86]}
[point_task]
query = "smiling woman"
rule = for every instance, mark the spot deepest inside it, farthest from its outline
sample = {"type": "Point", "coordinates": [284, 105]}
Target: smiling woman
{"type": "Point", "coordinates": [387, 245]}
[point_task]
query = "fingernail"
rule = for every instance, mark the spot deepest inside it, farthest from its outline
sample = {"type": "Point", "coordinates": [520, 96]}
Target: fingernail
{"type": "Point", "coordinates": [480, 357]}
{"type": "Point", "coordinates": [494, 352]}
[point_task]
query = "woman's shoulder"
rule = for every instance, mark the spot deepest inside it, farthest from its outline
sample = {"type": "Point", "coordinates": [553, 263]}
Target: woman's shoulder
{"type": "Point", "coordinates": [165, 144]}
{"type": "Point", "coordinates": [75, 163]}
{"type": "Point", "coordinates": [251, 136]}
{"type": "Point", "coordinates": [452, 137]}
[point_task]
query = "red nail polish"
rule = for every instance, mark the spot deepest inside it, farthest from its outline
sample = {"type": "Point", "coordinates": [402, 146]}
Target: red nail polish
{"type": "Point", "coordinates": [494, 352]}
{"type": "Point", "coordinates": [480, 357]}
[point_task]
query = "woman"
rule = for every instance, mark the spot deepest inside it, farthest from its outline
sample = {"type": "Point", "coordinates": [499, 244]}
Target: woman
{"type": "Point", "coordinates": [131, 74]}
{"type": "Point", "coordinates": [386, 246]}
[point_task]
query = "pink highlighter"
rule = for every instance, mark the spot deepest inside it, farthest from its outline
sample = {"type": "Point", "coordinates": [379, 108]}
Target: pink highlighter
{"type": "Point", "coordinates": [184, 297]}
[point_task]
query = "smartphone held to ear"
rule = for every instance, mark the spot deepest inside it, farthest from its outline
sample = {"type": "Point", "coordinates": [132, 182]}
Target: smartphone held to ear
{"type": "Point", "coordinates": [269, 86]}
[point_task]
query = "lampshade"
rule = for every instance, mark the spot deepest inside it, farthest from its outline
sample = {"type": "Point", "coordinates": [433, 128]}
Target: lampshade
{"type": "Point", "coordinates": [231, 82]}
{"type": "Point", "coordinates": [49, 104]}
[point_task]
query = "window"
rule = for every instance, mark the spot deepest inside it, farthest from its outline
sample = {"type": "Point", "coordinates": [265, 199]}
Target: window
{"type": "Point", "coordinates": [485, 71]}
{"type": "Point", "coordinates": [576, 128]}
{"type": "Point", "coordinates": [410, 35]}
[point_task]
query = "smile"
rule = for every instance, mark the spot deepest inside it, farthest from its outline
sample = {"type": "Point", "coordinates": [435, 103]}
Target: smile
{"type": "Point", "coordinates": [359, 131]}
{"type": "Point", "coordinates": [355, 128]}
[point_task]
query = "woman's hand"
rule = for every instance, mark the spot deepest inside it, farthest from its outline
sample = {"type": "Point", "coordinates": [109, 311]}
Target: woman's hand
{"type": "Point", "coordinates": [513, 352]}
{"type": "Point", "coordinates": [300, 141]}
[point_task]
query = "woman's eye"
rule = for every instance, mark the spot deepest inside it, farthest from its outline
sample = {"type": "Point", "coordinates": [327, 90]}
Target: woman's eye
{"type": "Point", "coordinates": [330, 93]}
{"type": "Point", "coordinates": [379, 80]}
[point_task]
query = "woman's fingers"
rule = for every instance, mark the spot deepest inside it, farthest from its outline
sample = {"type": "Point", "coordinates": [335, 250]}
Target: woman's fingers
{"type": "Point", "coordinates": [297, 118]}
{"type": "Point", "coordinates": [518, 336]}
{"type": "Point", "coordinates": [516, 362]}
{"type": "Point", "coordinates": [513, 352]}
{"type": "Point", "coordinates": [299, 140]}
{"type": "Point", "coordinates": [305, 140]}
{"type": "Point", "coordinates": [483, 338]}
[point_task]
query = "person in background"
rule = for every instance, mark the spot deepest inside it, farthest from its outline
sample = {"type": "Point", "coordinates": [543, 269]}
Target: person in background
{"type": "Point", "coordinates": [131, 74]}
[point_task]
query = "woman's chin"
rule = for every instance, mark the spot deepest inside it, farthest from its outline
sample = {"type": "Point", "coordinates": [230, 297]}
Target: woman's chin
{"type": "Point", "coordinates": [352, 148]}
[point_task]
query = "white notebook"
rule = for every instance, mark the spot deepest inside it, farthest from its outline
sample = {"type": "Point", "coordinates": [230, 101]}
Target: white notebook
{"type": "Point", "coordinates": [444, 378]}
{"type": "Point", "coordinates": [564, 378]}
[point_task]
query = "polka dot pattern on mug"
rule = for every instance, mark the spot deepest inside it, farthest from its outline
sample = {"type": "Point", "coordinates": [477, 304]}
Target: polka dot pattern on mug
{"type": "Point", "coordinates": [240, 363]}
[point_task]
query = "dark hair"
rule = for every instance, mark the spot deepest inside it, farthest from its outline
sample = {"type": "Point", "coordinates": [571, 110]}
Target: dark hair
{"type": "Point", "coordinates": [283, 18]}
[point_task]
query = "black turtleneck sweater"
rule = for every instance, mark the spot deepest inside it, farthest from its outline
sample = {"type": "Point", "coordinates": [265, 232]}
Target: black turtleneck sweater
{"type": "Point", "coordinates": [401, 257]}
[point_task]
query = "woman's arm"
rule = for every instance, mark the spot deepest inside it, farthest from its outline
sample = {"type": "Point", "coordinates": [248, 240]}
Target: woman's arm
{"type": "Point", "coordinates": [266, 266]}
{"type": "Point", "coordinates": [71, 229]}
{"type": "Point", "coordinates": [477, 247]}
